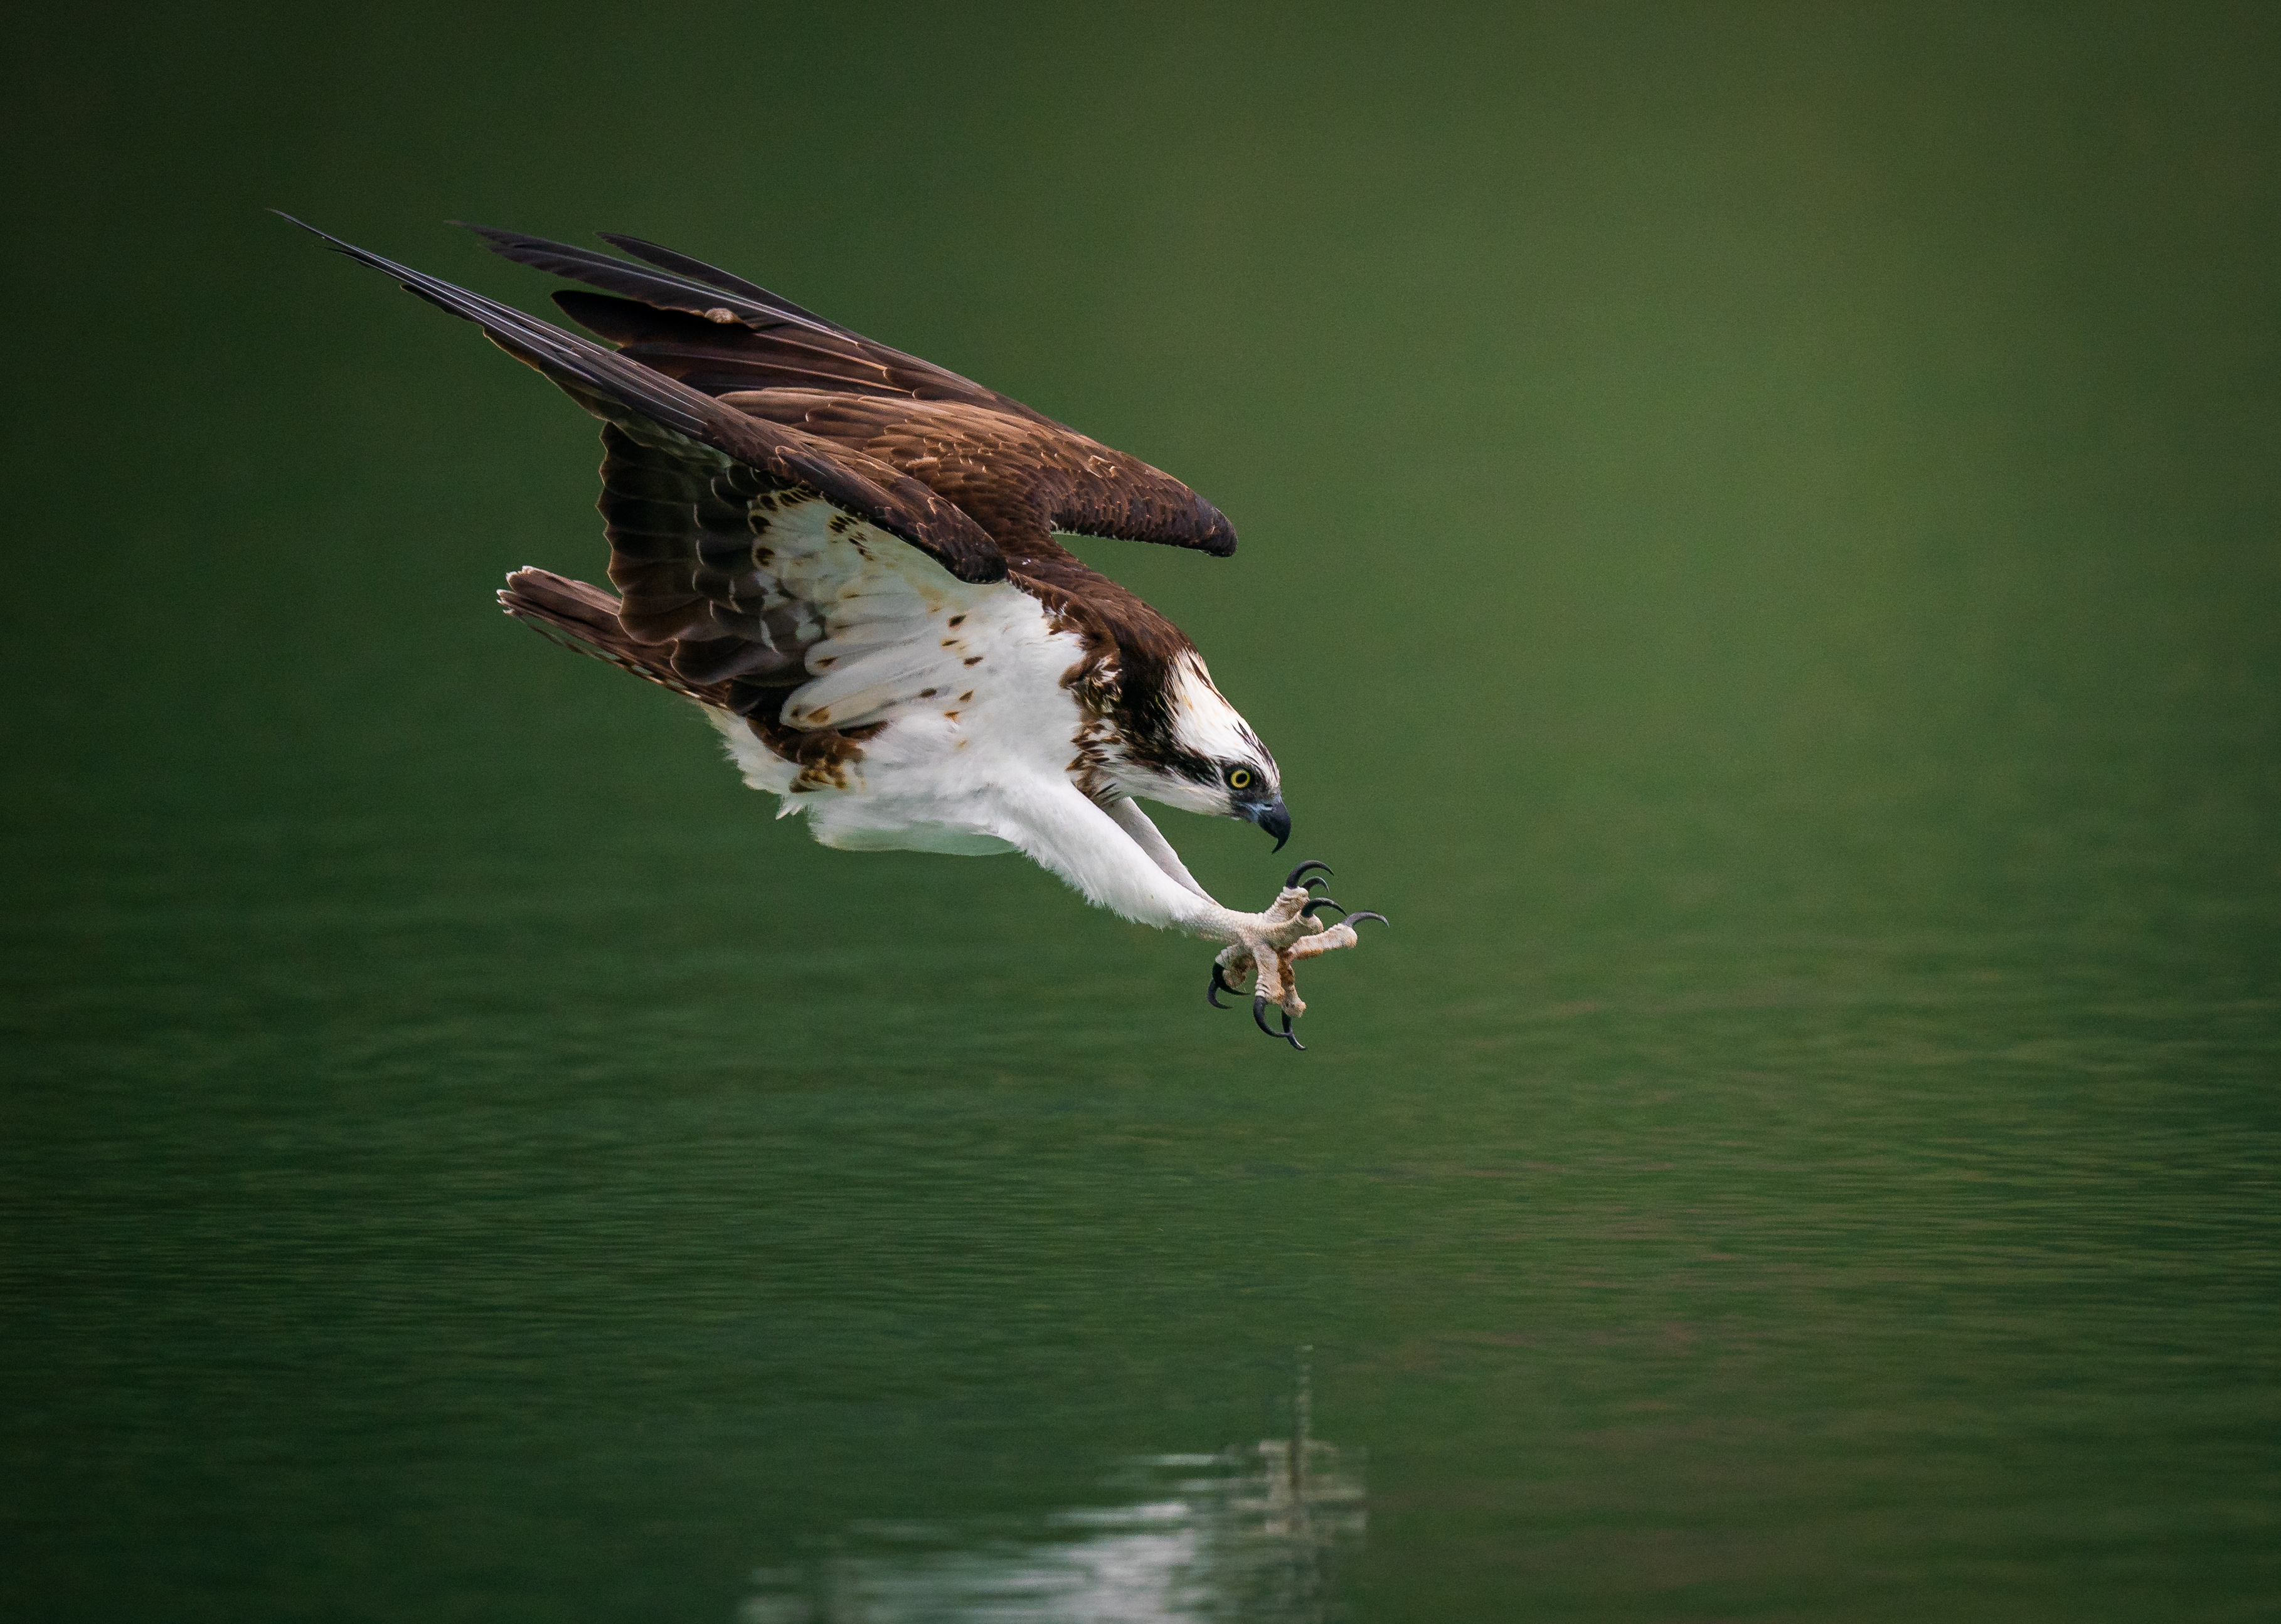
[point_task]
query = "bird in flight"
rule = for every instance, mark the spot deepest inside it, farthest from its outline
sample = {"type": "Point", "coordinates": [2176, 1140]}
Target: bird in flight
{"type": "Point", "coordinates": [844, 556]}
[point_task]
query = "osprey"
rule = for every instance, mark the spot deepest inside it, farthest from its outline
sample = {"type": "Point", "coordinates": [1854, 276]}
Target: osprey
{"type": "Point", "coordinates": [844, 556]}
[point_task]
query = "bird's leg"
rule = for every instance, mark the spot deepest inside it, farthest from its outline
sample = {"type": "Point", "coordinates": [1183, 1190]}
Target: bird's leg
{"type": "Point", "coordinates": [1267, 946]}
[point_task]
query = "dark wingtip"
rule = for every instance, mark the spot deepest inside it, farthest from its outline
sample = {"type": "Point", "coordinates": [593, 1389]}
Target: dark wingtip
{"type": "Point", "coordinates": [1219, 539]}
{"type": "Point", "coordinates": [495, 238]}
{"type": "Point", "coordinates": [295, 219]}
{"type": "Point", "coordinates": [714, 276]}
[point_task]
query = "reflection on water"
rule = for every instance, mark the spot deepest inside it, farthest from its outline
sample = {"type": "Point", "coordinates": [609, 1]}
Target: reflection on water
{"type": "Point", "coordinates": [1252, 1533]}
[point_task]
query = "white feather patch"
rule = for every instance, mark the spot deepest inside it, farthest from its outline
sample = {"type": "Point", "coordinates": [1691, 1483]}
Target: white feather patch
{"type": "Point", "coordinates": [863, 687]}
{"type": "Point", "coordinates": [980, 735]}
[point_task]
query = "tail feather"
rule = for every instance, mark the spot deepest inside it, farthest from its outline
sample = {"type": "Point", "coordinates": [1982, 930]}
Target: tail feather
{"type": "Point", "coordinates": [584, 620]}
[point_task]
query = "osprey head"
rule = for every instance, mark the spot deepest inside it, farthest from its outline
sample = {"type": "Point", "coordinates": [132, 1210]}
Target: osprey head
{"type": "Point", "coordinates": [1197, 753]}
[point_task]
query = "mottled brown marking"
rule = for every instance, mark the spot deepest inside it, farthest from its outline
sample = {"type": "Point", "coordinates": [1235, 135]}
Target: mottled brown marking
{"type": "Point", "coordinates": [823, 755]}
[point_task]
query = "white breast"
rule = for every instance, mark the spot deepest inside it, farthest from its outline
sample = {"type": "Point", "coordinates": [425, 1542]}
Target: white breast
{"type": "Point", "coordinates": [967, 678]}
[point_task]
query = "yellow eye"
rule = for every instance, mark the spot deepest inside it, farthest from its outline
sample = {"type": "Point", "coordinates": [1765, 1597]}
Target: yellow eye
{"type": "Point", "coordinates": [1240, 779]}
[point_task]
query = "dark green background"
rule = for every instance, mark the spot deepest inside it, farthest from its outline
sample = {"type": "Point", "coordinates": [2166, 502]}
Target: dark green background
{"type": "Point", "coordinates": [1760, 551]}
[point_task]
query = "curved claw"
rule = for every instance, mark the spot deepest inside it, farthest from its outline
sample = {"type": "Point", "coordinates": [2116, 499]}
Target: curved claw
{"type": "Point", "coordinates": [1315, 902]}
{"type": "Point", "coordinates": [1219, 986]}
{"type": "Point", "coordinates": [1301, 869]}
{"type": "Point", "coordinates": [1311, 881]}
{"type": "Point", "coordinates": [1259, 1016]}
{"type": "Point", "coordinates": [1382, 918]}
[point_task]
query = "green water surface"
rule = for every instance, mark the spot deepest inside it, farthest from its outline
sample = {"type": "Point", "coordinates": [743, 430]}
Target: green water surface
{"type": "Point", "coordinates": [1759, 553]}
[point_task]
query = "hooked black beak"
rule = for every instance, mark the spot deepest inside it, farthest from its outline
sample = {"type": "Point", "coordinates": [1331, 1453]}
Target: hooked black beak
{"type": "Point", "coordinates": [1274, 818]}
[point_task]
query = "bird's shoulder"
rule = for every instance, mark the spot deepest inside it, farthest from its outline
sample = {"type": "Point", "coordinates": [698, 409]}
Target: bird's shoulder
{"type": "Point", "coordinates": [1021, 477]}
{"type": "Point", "coordinates": [1130, 649]}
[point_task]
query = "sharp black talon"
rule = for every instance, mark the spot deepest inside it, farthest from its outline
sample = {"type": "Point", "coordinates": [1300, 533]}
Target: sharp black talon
{"type": "Point", "coordinates": [1311, 881]}
{"type": "Point", "coordinates": [1315, 902]}
{"type": "Point", "coordinates": [1217, 987]}
{"type": "Point", "coordinates": [1382, 918]}
{"type": "Point", "coordinates": [1259, 1016]}
{"type": "Point", "coordinates": [1301, 869]}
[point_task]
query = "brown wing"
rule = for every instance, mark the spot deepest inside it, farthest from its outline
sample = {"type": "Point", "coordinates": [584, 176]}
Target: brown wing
{"type": "Point", "coordinates": [666, 416]}
{"type": "Point", "coordinates": [736, 334]}
{"type": "Point", "coordinates": [733, 591]}
{"type": "Point", "coordinates": [1019, 479]}
{"type": "Point", "coordinates": [1017, 472]}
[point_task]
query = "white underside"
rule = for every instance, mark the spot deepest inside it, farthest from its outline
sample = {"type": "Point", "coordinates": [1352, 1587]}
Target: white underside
{"type": "Point", "coordinates": [980, 733]}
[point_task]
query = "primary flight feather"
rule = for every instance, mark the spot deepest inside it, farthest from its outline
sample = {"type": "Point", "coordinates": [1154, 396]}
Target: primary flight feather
{"type": "Point", "coordinates": [844, 556]}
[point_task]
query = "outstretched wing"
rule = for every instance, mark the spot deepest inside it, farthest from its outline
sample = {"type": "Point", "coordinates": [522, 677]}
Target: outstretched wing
{"type": "Point", "coordinates": [747, 338]}
{"type": "Point", "coordinates": [656, 410]}
{"type": "Point", "coordinates": [803, 586]}
{"type": "Point", "coordinates": [1017, 472]}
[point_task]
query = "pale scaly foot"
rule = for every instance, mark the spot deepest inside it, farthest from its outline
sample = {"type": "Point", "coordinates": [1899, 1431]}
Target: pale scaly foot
{"type": "Point", "coordinates": [1268, 945]}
